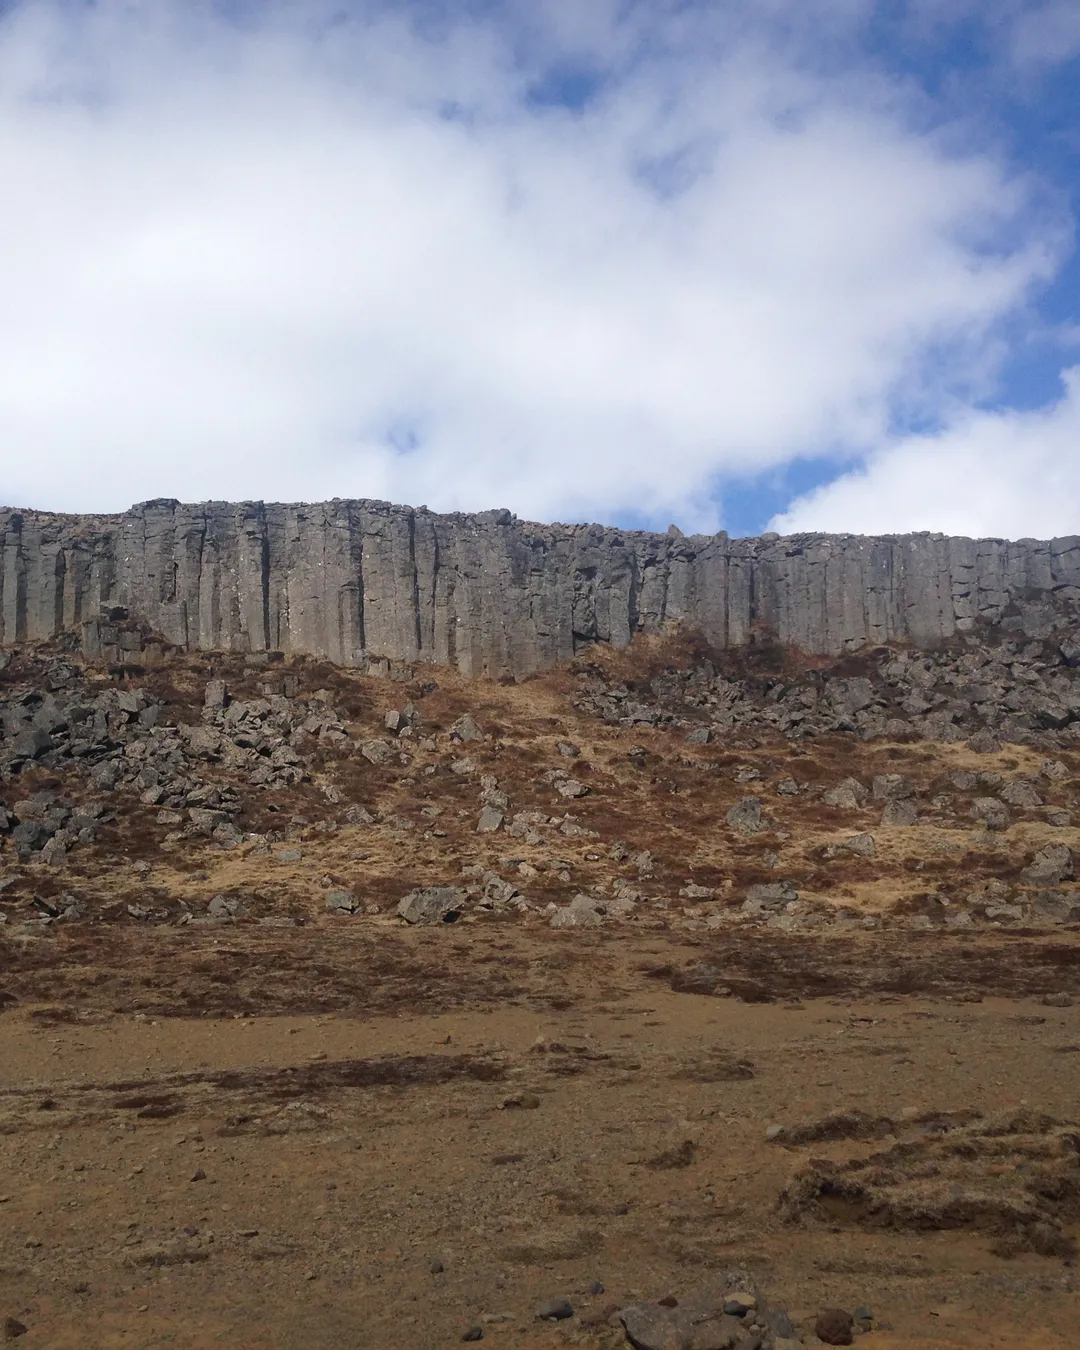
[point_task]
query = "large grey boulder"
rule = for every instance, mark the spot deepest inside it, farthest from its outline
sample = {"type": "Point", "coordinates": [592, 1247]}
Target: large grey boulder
{"type": "Point", "coordinates": [582, 912]}
{"type": "Point", "coordinates": [992, 813]}
{"type": "Point", "coordinates": [848, 795]}
{"type": "Point", "coordinates": [769, 895]}
{"type": "Point", "coordinates": [490, 820]}
{"type": "Point", "coordinates": [745, 815]}
{"type": "Point", "coordinates": [1021, 794]}
{"type": "Point", "coordinates": [1051, 864]}
{"type": "Point", "coordinates": [899, 813]}
{"type": "Point", "coordinates": [466, 729]}
{"type": "Point", "coordinates": [431, 904]}
{"type": "Point", "coordinates": [892, 787]}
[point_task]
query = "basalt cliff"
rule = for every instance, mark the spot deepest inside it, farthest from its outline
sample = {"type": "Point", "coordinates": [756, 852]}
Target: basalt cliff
{"type": "Point", "coordinates": [360, 582]}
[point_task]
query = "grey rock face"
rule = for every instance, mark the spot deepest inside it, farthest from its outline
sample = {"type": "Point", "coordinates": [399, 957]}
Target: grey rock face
{"type": "Point", "coordinates": [360, 582]}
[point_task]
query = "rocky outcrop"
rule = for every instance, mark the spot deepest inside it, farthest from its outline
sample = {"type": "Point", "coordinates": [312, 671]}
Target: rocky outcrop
{"type": "Point", "coordinates": [360, 580]}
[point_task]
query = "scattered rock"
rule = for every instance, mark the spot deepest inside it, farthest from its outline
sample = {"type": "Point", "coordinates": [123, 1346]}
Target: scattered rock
{"type": "Point", "coordinates": [835, 1327]}
{"type": "Point", "coordinates": [582, 912]}
{"type": "Point", "coordinates": [490, 821]}
{"type": "Point", "coordinates": [993, 813]}
{"type": "Point", "coordinates": [473, 1333]}
{"type": "Point", "coordinates": [342, 902]}
{"type": "Point", "coordinates": [13, 1329]}
{"type": "Point", "coordinates": [554, 1310]}
{"type": "Point", "coordinates": [745, 815]}
{"type": "Point", "coordinates": [899, 813]}
{"type": "Point", "coordinates": [432, 904]}
{"type": "Point", "coordinates": [769, 895]}
{"type": "Point", "coordinates": [861, 844]}
{"type": "Point", "coordinates": [849, 795]}
{"type": "Point", "coordinates": [1051, 865]}
{"type": "Point", "coordinates": [466, 729]}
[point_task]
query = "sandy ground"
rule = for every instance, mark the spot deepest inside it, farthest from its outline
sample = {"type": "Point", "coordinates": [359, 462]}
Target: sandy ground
{"type": "Point", "coordinates": [365, 1178]}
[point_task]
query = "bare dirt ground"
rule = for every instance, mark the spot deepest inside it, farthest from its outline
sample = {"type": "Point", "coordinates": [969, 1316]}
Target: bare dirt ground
{"type": "Point", "coordinates": [493, 1118]}
{"type": "Point", "coordinates": [301, 1130]}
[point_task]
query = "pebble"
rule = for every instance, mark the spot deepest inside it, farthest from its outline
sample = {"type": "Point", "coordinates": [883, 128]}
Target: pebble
{"type": "Point", "coordinates": [474, 1334]}
{"type": "Point", "coordinates": [596, 1287]}
{"type": "Point", "coordinates": [436, 1267]}
{"type": "Point", "coordinates": [13, 1329]}
{"type": "Point", "coordinates": [554, 1310]}
{"type": "Point", "coordinates": [773, 1131]}
{"type": "Point", "coordinates": [198, 1175]}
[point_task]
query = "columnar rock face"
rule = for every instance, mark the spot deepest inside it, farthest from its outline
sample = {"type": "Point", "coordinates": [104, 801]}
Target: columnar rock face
{"type": "Point", "coordinates": [492, 595]}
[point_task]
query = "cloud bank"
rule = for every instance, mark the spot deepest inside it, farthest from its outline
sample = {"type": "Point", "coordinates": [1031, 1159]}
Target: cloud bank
{"type": "Point", "coordinates": [577, 265]}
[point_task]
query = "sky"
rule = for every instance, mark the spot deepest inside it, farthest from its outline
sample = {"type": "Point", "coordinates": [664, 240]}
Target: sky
{"type": "Point", "coordinates": [780, 266]}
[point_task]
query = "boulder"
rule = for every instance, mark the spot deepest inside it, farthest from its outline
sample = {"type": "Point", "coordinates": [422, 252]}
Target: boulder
{"type": "Point", "coordinates": [1021, 794]}
{"type": "Point", "coordinates": [431, 904]}
{"type": "Point", "coordinates": [745, 815]}
{"type": "Point", "coordinates": [861, 844]}
{"type": "Point", "coordinates": [849, 795]}
{"type": "Point", "coordinates": [1051, 865]}
{"type": "Point", "coordinates": [892, 787]}
{"type": "Point", "coordinates": [899, 813]}
{"type": "Point", "coordinates": [490, 821]}
{"type": "Point", "coordinates": [769, 895]}
{"type": "Point", "coordinates": [342, 902]}
{"type": "Point", "coordinates": [582, 912]}
{"type": "Point", "coordinates": [466, 729]}
{"type": "Point", "coordinates": [994, 814]}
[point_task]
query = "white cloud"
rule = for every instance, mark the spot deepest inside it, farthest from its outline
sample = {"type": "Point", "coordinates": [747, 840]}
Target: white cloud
{"type": "Point", "coordinates": [997, 474]}
{"type": "Point", "coordinates": [250, 260]}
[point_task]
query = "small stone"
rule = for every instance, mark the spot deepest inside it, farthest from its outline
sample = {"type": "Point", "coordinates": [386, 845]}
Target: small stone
{"type": "Point", "coordinates": [474, 1334]}
{"type": "Point", "coordinates": [521, 1101]}
{"type": "Point", "coordinates": [1061, 1000]}
{"type": "Point", "coordinates": [596, 1288]}
{"type": "Point", "coordinates": [773, 1131]}
{"type": "Point", "coordinates": [198, 1175]}
{"type": "Point", "coordinates": [436, 1267]}
{"type": "Point", "coordinates": [835, 1327]}
{"type": "Point", "coordinates": [13, 1329]}
{"type": "Point", "coordinates": [554, 1310]}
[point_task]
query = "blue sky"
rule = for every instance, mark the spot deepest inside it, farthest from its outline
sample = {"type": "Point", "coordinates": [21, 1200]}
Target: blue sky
{"type": "Point", "coordinates": [742, 267]}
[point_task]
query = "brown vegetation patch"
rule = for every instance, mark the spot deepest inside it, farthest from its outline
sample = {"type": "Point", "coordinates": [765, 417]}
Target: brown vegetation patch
{"type": "Point", "coordinates": [1015, 1178]}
